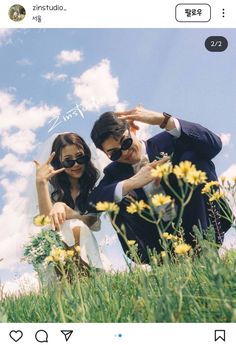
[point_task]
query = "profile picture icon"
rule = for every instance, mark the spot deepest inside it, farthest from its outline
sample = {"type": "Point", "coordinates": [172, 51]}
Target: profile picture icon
{"type": "Point", "coordinates": [17, 13]}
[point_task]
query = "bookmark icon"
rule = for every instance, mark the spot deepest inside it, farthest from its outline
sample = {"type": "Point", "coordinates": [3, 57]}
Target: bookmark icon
{"type": "Point", "coordinates": [67, 334]}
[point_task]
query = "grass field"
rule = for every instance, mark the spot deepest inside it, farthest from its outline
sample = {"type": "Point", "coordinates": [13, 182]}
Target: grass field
{"type": "Point", "coordinates": [201, 289]}
{"type": "Point", "coordinates": [181, 286]}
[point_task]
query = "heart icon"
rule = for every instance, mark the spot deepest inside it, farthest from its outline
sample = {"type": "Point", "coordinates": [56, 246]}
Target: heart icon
{"type": "Point", "coordinates": [16, 335]}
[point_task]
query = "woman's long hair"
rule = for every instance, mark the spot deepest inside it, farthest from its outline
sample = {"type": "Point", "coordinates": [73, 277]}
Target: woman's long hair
{"type": "Point", "coordinates": [61, 182]}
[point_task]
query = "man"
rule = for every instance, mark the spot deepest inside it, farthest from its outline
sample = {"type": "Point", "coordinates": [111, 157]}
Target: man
{"type": "Point", "coordinates": [130, 172]}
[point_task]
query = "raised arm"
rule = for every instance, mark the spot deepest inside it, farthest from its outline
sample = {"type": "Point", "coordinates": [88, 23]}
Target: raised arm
{"type": "Point", "coordinates": [105, 191]}
{"type": "Point", "coordinates": [193, 136]}
{"type": "Point", "coordinates": [200, 139]}
{"type": "Point", "coordinates": [43, 174]}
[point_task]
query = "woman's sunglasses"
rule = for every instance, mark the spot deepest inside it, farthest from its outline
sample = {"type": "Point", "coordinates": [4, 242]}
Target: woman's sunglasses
{"type": "Point", "coordinates": [69, 163]}
{"type": "Point", "coordinates": [125, 145]}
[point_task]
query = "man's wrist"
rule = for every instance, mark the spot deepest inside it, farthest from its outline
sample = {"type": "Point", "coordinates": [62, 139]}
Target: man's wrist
{"type": "Point", "coordinates": [165, 121]}
{"type": "Point", "coordinates": [128, 185]}
{"type": "Point", "coordinates": [159, 117]}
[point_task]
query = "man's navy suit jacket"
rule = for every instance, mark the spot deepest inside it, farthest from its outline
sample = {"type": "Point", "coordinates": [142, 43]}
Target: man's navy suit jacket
{"type": "Point", "coordinates": [196, 144]}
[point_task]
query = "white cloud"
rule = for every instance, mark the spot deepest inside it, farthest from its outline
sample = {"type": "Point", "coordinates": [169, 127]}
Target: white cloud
{"type": "Point", "coordinates": [22, 115]}
{"type": "Point", "coordinates": [13, 188]}
{"type": "Point", "coordinates": [225, 138]}
{"type": "Point", "coordinates": [24, 62]}
{"type": "Point", "coordinates": [20, 142]}
{"type": "Point", "coordinates": [14, 222]}
{"type": "Point", "coordinates": [96, 87]}
{"type": "Point", "coordinates": [28, 282]}
{"type": "Point", "coordinates": [144, 132]}
{"type": "Point", "coordinates": [18, 124]}
{"type": "Point", "coordinates": [14, 225]}
{"type": "Point", "coordinates": [12, 243]}
{"type": "Point", "coordinates": [99, 158]}
{"type": "Point", "coordinates": [68, 56]}
{"type": "Point", "coordinates": [10, 163]}
{"type": "Point", "coordinates": [5, 35]}
{"type": "Point", "coordinates": [230, 172]}
{"type": "Point", "coordinates": [55, 76]}
{"type": "Point", "coordinates": [121, 106]}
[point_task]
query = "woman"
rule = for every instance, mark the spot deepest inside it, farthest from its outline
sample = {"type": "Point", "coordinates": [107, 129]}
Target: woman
{"type": "Point", "coordinates": [65, 180]}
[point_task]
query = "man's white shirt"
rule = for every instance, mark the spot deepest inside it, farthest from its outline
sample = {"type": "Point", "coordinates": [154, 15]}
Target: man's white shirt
{"type": "Point", "coordinates": [151, 188]}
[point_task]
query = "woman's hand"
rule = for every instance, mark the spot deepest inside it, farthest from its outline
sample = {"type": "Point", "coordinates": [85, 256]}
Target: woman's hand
{"type": "Point", "coordinates": [45, 171]}
{"type": "Point", "coordinates": [58, 215]}
{"type": "Point", "coordinates": [142, 115]}
{"type": "Point", "coordinates": [60, 212]}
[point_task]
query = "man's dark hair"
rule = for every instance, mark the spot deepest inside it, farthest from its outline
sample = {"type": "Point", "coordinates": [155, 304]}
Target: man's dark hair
{"type": "Point", "coordinates": [108, 125]}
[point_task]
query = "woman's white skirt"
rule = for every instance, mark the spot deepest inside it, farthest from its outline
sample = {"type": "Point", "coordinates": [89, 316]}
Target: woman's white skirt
{"type": "Point", "coordinates": [229, 242]}
{"type": "Point", "coordinates": [89, 249]}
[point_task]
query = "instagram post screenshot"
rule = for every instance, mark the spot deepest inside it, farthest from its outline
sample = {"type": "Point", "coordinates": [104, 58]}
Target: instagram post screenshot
{"type": "Point", "coordinates": [117, 172]}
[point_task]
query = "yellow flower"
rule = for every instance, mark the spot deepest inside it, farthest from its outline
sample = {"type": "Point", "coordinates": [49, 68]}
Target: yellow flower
{"type": "Point", "coordinates": [234, 179]}
{"type": "Point", "coordinates": [137, 206]}
{"type": "Point", "coordinates": [222, 179]}
{"type": "Point", "coordinates": [182, 248]}
{"type": "Point", "coordinates": [107, 206]}
{"type": "Point", "coordinates": [56, 251]}
{"type": "Point", "coordinates": [77, 249]}
{"type": "Point", "coordinates": [131, 242]}
{"type": "Point", "coordinates": [182, 170]}
{"type": "Point", "coordinates": [162, 170]}
{"type": "Point", "coordinates": [163, 254]}
{"type": "Point", "coordinates": [154, 260]}
{"type": "Point", "coordinates": [56, 258]}
{"type": "Point", "coordinates": [49, 258]}
{"type": "Point", "coordinates": [216, 196]}
{"type": "Point", "coordinates": [165, 235]}
{"type": "Point", "coordinates": [196, 177]}
{"type": "Point", "coordinates": [41, 220]}
{"type": "Point", "coordinates": [207, 188]}
{"type": "Point", "coordinates": [188, 172]}
{"type": "Point", "coordinates": [168, 236]}
{"type": "Point", "coordinates": [139, 304]}
{"type": "Point", "coordinates": [70, 253]}
{"type": "Point", "coordinates": [58, 254]}
{"type": "Point", "coordinates": [132, 208]}
{"type": "Point", "coordinates": [160, 199]}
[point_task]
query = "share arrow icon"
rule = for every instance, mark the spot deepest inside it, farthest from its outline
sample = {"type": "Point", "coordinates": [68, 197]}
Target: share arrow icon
{"type": "Point", "coordinates": [67, 334]}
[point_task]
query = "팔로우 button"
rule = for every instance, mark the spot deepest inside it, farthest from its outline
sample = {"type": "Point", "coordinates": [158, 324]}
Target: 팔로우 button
{"type": "Point", "coordinates": [193, 13]}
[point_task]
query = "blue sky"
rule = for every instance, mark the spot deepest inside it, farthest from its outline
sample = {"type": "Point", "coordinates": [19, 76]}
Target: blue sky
{"type": "Point", "coordinates": [44, 73]}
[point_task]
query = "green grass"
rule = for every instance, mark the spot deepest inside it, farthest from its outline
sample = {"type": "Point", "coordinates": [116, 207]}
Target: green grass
{"type": "Point", "coordinates": [202, 289]}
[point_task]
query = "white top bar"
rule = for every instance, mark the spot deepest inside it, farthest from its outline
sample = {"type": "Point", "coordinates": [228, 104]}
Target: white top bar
{"type": "Point", "coordinates": [121, 14]}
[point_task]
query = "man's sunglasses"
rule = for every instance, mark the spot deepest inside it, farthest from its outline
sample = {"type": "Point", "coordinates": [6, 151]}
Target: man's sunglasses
{"type": "Point", "coordinates": [69, 163]}
{"type": "Point", "coordinates": [125, 145]}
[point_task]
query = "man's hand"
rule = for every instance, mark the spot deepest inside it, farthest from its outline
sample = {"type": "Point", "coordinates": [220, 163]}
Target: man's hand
{"type": "Point", "coordinates": [143, 176]}
{"type": "Point", "coordinates": [142, 115]}
{"type": "Point", "coordinates": [146, 116]}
